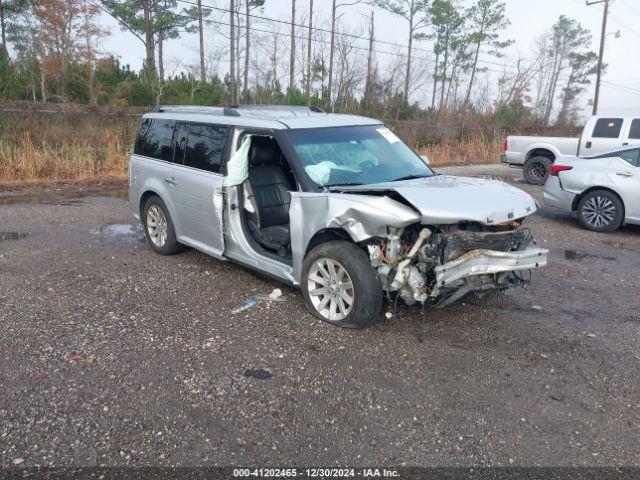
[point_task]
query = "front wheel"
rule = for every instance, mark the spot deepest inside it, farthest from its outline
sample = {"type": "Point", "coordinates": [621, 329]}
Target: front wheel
{"type": "Point", "coordinates": [600, 211]}
{"type": "Point", "coordinates": [340, 286]}
{"type": "Point", "coordinates": [536, 170]}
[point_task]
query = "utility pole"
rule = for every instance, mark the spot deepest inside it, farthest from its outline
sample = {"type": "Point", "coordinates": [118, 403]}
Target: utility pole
{"type": "Point", "coordinates": [368, 86]}
{"type": "Point", "coordinates": [603, 35]}
{"type": "Point", "coordinates": [292, 57]}
{"type": "Point", "coordinates": [232, 53]}
{"type": "Point", "coordinates": [309, 51]}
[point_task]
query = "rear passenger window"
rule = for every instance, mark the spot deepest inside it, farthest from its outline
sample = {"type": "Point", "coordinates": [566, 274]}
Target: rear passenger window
{"type": "Point", "coordinates": [630, 156]}
{"type": "Point", "coordinates": [607, 128]}
{"type": "Point", "coordinates": [206, 145]}
{"type": "Point", "coordinates": [155, 139]}
{"type": "Point", "coordinates": [634, 131]}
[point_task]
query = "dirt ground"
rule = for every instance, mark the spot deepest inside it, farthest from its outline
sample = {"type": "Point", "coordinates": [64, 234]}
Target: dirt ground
{"type": "Point", "coordinates": [113, 355]}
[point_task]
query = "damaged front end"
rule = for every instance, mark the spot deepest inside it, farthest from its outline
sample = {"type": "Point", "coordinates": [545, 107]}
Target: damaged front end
{"type": "Point", "coordinates": [438, 264]}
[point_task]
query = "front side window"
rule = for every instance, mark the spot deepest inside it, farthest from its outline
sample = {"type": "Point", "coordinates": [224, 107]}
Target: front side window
{"type": "Point", "coordinates": [205, 147]}
{"type": "Point", "coordinates": [359, 155]}
{"type": "Point", "coordinates": [155, 139]}
{"type": "Point", "coordinates": [630, 156]}
{"type": "Point", "coordinates": [634, 131]}
{"type": "Point", "coordinates": [607, 128]}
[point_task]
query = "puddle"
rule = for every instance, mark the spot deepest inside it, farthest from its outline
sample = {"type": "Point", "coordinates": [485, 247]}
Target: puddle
{"type": "Point", "coordinates": [62, 197]}
{"type": "Point", "coordinates": [116, 231]}
{"type": "Point", "coordinates": [578, 255]}
{"type": "Point", "coordinates": [12, 236]}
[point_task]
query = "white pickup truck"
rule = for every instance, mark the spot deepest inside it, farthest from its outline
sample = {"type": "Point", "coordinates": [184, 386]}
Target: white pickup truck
{"type": "Point", "coordinates": [600, 134]}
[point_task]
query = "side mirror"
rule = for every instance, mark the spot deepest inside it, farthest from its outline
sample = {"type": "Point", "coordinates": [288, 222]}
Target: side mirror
{"type": "Point", "coordinates": [425, 158]}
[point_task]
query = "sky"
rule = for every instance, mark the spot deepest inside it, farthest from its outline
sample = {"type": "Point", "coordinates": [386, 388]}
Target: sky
{"type": "Point", "coordinates": [620, 90]}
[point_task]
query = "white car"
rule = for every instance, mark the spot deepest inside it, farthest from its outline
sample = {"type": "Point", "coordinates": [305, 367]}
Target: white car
{"type": "Point", "coordinates": [600, 135]}
{"type": "Point", "coordinates": [604, 190]}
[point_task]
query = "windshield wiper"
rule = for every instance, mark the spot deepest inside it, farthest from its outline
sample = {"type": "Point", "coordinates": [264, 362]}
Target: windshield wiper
{"type": "Point", "coordinates": [344, 184]}
{"type": "Point", "coordinates": [409, 177]}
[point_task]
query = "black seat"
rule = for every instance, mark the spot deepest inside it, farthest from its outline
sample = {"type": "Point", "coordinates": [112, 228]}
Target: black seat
{"type": "Point", "coordinates": [270, 194]}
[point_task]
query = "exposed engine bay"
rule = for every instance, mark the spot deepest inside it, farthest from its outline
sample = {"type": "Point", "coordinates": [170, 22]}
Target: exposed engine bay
{"type": "Point", "coordinates": [436, 265]}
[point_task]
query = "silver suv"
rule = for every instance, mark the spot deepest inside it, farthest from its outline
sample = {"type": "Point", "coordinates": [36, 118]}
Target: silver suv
{"type": "Point", "coordinates": [335, 204]}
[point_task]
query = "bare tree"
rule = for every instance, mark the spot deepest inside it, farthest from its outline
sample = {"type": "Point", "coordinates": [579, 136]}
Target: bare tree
{"type": "Point", "coordinates": [307, 85]}
{"type": "Point", "coordinates": [201, 38]}
{"type": "Point", "coordinates": [292, 56]}
{"type": "Point", "coordinates": [415, 12]}
{"type": "Point", "coordinates": [334, 9]}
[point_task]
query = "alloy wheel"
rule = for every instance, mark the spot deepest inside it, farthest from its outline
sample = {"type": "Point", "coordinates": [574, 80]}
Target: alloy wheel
{"type": "Point", "coordinates": [537, 171]}
{"type": "Point", "coordinates": [598, 211]}
{"type": "Point", "coordinates": [157, 226]}
{"type": "Point", "coordinates": [330, 289]}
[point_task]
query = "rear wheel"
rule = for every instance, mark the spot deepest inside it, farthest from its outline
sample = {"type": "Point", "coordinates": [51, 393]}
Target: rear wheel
{"type": "Point", "coordinates": [600, 211]}
{"type": "Point", "coordinates": [536, 170]}
{"type": "Point", "coordinates": [158, 227]}
{"type": "Point", "coordinates": [340, 286]}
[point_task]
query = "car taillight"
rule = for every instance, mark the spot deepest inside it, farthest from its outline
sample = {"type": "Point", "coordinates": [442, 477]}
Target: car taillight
{"type": "Point", "coordinates": [505, 145]}
{"type": "Point", "coordinates": [555, 169]}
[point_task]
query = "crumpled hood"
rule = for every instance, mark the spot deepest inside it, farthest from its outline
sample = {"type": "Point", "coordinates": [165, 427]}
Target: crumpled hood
{"type": "Point", "coordinates": [444, 199]}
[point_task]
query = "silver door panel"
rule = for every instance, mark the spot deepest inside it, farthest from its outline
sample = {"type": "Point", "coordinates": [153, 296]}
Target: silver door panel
{"type": "Point", "coordinates": [197, 197]}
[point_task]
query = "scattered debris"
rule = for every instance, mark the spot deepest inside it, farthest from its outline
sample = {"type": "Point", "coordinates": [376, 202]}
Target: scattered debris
{"type": "Point", "coordinates": [557, 398]}
{"type": "Point", "coordinates": [315, 348]}
{"type": "Point", "coordinates": [578, 255]}
{"type": "Point", "coordinates": [591, 335]}
{"type": "Point", "coordinates": [536, 307]}
{"type": "Point", "coordinates": [77, 357]}
{"type": "Point", "coordinates": [275, 296]}
{"type": "Point", "coordinates": [258, 373]}
{"type": "Point", "coordinates": [388, 315]}
{"type": "Point", "coordinates": [247, 305]}
{"type": "Point", "coordinates": [12, 236]}
{"type": "Point", "coordinates": [17, 461]}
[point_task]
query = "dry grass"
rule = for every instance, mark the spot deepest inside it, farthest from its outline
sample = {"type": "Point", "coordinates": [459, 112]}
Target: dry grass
{"type": "Point", "coordinates": [470, 151]}
{"type": "Point", "coordinates": [37, 147]}
{"type": "Point", "coordinates": [24, 160]}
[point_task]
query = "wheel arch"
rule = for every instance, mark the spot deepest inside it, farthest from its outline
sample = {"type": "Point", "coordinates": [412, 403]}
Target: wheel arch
{"type": "Point", "coordinates": [149, 192]}
{"type": "Point", "coordinates": [327, 235]}
{"type": "Point", "coordinates": [143, 200]}
{"type": "Point", "coordinates": [578, 198]}
{"type": "Point", "coordinates": [541, 152]}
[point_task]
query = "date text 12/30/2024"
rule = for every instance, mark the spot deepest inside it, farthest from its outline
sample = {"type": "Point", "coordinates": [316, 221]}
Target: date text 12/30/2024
{"type": "Point", "coordinates": [315, 472]}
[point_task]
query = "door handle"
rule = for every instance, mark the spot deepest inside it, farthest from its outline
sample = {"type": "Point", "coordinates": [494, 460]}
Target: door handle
{"type": "Point", "coordinates": [625, 143]}
{"type": "Point", "coordinates": [171, 181]}
{"type": "Point", "coordinates": [625, 174]}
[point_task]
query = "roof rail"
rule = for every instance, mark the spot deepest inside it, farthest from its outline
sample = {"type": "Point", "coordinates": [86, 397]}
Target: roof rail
{"type": "Point", "coordinates": [261, 111]}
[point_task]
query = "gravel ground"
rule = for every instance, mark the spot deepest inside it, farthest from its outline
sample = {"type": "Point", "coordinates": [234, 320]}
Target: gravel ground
{"type": "Point", "coordinates": [113, 355]}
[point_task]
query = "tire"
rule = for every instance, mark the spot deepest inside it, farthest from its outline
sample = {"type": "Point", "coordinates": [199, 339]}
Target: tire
{"type": "Point", "coordinates": [155, 220]}
{"type": "Point", "coordinates": [600, 211]}
{"type": "Point", "coordinates": [365, 292]}
{"type": "Point", "coordinates": [536, 170]}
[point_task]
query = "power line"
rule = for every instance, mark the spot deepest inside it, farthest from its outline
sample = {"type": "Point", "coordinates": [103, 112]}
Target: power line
{"type": "Point", "coordinates": [629, 7]}
{"type": "Point", "coordinates": [326, 42]}
{"type": "Point", "coordinates": [320, 29]}
{"type": "Point", "coordinates": [621, 88]}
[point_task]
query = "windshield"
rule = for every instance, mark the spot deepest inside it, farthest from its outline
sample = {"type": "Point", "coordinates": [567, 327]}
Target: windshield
{"type": "Point", "coordinates": [356, 155]}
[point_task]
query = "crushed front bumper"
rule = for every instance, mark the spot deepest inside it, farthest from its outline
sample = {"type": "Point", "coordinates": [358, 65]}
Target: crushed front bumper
{"type": "Point", "coordinates": [482, 262]}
